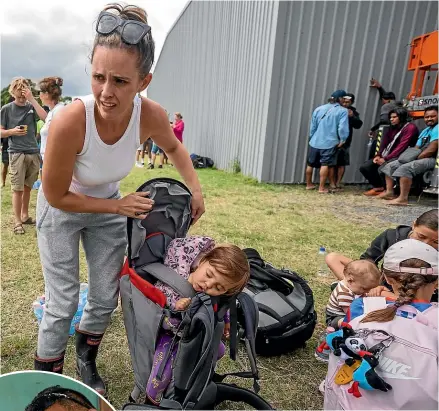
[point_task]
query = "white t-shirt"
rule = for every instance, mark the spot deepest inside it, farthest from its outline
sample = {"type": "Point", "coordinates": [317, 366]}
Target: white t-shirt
{"type": "Point", "coordinates": [44, 132]}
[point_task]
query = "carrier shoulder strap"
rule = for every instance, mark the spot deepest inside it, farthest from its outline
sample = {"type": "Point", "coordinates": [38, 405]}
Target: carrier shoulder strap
{"type": "Point", "coordinates": [129, 234]}
{"type": "Point", "coordinates": [251, 318]}
{"type": "Point", "coordinates": [170, 277]}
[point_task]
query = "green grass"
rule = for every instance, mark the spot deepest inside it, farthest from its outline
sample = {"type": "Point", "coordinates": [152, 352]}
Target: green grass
{"type": "Point", "coordinates": [284, 223]}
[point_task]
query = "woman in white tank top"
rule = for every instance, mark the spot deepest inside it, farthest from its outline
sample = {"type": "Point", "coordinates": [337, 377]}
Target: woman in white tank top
{"type": "Point", "coordinates": [91, 147]}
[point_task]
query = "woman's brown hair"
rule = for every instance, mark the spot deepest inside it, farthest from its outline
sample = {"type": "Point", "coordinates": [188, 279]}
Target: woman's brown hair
{"type": "Point", "coordinates": [409, 284]}
{"type": "Point", "coordinates": [231, 262]}
{"type": "Point", "coordinates": [145, 48]}
{"type": "Point", "coordinates": [51, 86]}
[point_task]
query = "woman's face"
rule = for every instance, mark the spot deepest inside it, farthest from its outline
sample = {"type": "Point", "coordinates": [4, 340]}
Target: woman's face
{"type": "Point", "coordinates": [115, 81]}
{"type": "Point", "coordinates": [44, 97]}
{"type": "Point", "coordinates": [425, 234]}
{"type": "Point", "coordinates": [394, 119]}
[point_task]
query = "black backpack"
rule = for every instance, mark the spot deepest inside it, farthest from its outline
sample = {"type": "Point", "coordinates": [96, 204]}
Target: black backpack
{"type": "Point", "coordinates": [286, 307]}
{"type": "Point", "coordinates": [201, 162]}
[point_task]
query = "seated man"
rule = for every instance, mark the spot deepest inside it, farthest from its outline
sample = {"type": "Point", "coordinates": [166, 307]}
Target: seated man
{"type": "Point", "coordinates": [400, 136]}
{"type": "Point", "coordinates": [428, 143]}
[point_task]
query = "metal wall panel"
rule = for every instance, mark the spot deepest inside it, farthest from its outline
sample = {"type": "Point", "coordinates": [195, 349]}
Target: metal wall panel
{"type": "Point", "coordinates": [324, 46]}
{"type": "Point", "coordinates": [247, 75]}
{"type": "Point", "coordinates": [215, 69]}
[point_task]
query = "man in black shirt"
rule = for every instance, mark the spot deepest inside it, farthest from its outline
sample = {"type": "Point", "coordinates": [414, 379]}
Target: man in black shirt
{"type": "Point", "coordinates": [343, 159]}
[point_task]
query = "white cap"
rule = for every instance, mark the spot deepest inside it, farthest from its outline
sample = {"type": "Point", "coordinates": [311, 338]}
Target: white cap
{"type": "Point", "coordinates": [407, 249]}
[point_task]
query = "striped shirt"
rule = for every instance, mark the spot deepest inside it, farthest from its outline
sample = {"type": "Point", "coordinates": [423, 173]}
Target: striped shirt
{"type": "Point", "coordinates": [341, 297]}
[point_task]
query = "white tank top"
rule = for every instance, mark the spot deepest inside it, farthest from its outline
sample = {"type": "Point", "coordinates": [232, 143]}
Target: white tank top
{"type": "Point", "coordinates": [99, 167]}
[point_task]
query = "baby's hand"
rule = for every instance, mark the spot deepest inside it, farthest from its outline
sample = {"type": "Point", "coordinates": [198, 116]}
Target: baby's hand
{"type": "Point", "coordinates": [376, 292]}
{"type": "Point", "coordinates": [182, 304]}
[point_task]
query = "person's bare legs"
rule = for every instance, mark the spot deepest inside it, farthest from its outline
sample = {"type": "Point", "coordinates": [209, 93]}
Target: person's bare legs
{"type": "Point", "coordinates": [324, 171]}
{"type": "Point", "coordinates": [4, 173]}
{"type": "Point", "coordinates": [405, 184]}
{"type": "Point", "coordinates": [332, 177]}
{"type": "Point", "coordinates": [389, 193]}
{"type": "Point", "coordinates": [17, 201]}
{"type": "Point", "coordinates": [25, 203]}
{"type": "Point", "coordinates": [308, 176]}
{"type": "Point", "coordinates": [161, 159]}
{"type": "Point", "coordinates": [336, 263]}
{"type": "Point", "coordinates": [340, 174]}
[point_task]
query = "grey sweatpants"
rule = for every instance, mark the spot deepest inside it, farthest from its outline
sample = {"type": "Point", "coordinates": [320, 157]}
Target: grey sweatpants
{"type": "Point", "coordinates": [103, 238]}
{"type": "Point", "coordinates": [410, 170]}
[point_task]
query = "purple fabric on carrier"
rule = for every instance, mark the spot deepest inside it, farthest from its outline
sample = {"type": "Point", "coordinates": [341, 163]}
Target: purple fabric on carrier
{"type": "Point", "coordinates": [155, 386]}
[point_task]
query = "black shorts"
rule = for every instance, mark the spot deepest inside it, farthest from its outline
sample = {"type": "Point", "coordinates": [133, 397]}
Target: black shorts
{"type": "Point", "coordinates": [5, 157]}
{"type": "Point", "coordinates": [318, 157]}
{"type": "Point", "coordinates": [343, 158]}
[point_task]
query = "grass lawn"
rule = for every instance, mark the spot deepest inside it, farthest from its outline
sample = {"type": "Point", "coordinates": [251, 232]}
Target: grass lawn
{"type": "Point", "coordinates": [284, 223]}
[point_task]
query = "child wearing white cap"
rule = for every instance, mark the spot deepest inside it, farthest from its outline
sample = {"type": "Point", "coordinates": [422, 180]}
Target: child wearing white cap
{"type": "Point", "coordinates": [410, 267]}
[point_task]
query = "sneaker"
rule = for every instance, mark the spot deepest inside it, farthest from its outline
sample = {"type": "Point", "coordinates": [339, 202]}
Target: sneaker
{"type": "Point", "coordinates": [374, 192]}
{"type": "Point", "coordinates": [150, 166]}
{"type": "Point", "coordinates": [160, 166]}
{"type": "Point", "coordinates": [322, 354]}
{"type": "Point", "coordinates": [139, 165]}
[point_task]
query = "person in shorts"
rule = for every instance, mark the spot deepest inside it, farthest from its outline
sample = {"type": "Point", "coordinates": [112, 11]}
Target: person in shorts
{"type": "Point", "coordinates": [329, 130]}
{"type": "Point", "coordinates": [18, 122]}
{"type": "Point", "coordinates": [343, 157]}
{"type": "Point", "coordinates": [154, 151]}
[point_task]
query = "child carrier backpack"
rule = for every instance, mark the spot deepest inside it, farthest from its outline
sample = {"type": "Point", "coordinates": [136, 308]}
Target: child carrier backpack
{"type": "Point", "coordinates": [286, 307]}
{"type": "Point", "coordinates": [195, 384]}
{"type": "Point", "coordinates": [405, 373]}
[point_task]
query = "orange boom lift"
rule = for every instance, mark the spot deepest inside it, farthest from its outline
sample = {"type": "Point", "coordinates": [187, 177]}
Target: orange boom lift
{"type": "Point", "coordinates": [423, 59]}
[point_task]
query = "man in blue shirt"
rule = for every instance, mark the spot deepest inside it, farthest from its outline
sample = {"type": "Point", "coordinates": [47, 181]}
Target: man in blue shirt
{"type": "Point", "coordinates": [426, 160]}
{"type": "Point", "coordinates": [329, 130]}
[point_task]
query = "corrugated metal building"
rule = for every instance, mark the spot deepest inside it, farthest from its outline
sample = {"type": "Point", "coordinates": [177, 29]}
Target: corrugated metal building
{"type": "Point", "coordinates": [247, 75]}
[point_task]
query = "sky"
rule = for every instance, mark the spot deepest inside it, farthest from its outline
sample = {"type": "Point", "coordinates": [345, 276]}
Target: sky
{"type": "Point", "coordinates": [41, 38]}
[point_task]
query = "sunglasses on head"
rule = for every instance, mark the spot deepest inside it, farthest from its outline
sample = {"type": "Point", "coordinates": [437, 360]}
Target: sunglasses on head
{"type": "Point", "coordinates": [131, 31]}
{"type": "Point", "coordinates": [47, 400]}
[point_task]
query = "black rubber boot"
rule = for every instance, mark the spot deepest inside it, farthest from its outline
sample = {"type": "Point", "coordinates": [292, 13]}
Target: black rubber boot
{"type": "Point", "coordinates": [53, 365]}
{"type": "Point", "coordinates": [87, 346]}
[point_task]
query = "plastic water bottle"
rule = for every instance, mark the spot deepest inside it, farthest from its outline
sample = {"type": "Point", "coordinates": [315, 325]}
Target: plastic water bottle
{"type": "Point", "coordinates": [38, 310]}
{"type": "Point", "coordinates": [323, 268]}
{"type": "Point", "coordinates": [369, 144]}
{"type": "Point", "coordinates": [82, 300]}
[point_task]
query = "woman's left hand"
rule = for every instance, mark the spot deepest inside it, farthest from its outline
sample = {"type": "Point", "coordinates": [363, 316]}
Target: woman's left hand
{"type": "Point", "coordinates": [197, 206]}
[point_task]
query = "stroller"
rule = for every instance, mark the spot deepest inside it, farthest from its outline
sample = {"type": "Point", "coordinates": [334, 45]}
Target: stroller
{"type": "Point", "coordinates": [194, 383]}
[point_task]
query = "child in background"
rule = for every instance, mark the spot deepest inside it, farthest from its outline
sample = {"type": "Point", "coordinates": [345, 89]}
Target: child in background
{"type": "Point", "coordinates": [210, 269]}
{"type": "Point", "coordinates": [360, 276]}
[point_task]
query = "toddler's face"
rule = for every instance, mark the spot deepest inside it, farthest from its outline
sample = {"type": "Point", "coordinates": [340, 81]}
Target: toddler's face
{"type": "Point", "coordinates": [208, 280]}
{"type": "Point", "coordinates": [356, 286]}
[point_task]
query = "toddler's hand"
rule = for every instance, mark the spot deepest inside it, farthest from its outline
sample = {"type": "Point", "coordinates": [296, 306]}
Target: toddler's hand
{"type": "Point", "coordinates": [226, 332]}
{"type": "Point", "coordinates": [376, 292]}
{"type": "Point", "coordinates": [182, 304]}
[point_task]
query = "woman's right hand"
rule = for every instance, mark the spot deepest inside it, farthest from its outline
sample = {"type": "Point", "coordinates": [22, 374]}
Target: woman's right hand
{"type": "Point", "coordinates": [135, 205]}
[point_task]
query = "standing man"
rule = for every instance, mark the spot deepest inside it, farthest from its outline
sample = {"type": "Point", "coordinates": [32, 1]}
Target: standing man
{"type": "Point", "coordinates": [178, 127]}
{"type": "Point", "coordinates": [329, 130]}
{"type": "Point", "coordinates": [343, 158]}
{"type": "Point", "coordinates": [18, 122]}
